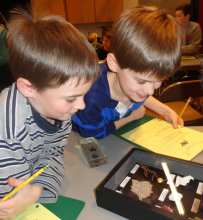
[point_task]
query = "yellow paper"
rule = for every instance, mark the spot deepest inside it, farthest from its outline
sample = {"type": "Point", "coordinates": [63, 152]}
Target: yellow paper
{"type": "Point", "coordinates": [101, 61]}
{"type": "Point", "coordinates": [160, 137]}
{"type": "Point", "coordinates": [35, 212]}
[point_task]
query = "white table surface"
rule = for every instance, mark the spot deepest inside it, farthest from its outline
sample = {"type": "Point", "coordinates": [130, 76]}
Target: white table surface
{"type": "Point", "coordinates": [80, 180]}
{"type": "Point", "coordinates": [190, 64]}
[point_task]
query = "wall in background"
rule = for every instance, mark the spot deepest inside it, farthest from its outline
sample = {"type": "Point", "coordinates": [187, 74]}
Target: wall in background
{"type": "Point", "coordinates": [169, 5]}
{"type": "Point", "coordinates": [97, 27]}
{"type": "Point", "coordinates": [130, 3]}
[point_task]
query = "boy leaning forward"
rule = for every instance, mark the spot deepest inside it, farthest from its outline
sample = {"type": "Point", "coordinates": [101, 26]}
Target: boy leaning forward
{"type": "Point", "coordinates": [54, 66]}
{"type": "Point", "coordinates": [145, 50]}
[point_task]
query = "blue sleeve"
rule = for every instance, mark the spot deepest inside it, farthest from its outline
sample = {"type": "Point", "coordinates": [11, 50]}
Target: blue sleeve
{"type": "Point", "coordinates": [90, 123]}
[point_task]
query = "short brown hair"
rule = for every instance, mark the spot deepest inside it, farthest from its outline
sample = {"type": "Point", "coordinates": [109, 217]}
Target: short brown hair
{"type": "Point", "coordinates": [106, 34]}
{"type": "Point", "coordinates": [91, 37]}
{"type": "Point", "coordinates": [47, 50]}
{"type": "Point", "coordinates": [187, 9]}
{"type": "Point", "coordinates": [147, 40]}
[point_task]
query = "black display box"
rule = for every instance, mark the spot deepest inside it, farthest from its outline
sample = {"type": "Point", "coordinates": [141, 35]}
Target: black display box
{"type": "Point", "coordinates": [131, 207]}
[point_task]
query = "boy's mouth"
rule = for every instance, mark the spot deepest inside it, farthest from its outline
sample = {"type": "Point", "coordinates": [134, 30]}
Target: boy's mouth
{"type": "Point", "coordinates": [72, 113]}
{"type": "Point", "coordinates": [142, 96]}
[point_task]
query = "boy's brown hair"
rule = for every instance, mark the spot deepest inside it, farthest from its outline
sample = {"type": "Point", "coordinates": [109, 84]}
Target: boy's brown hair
{"type": "Point", "coordinates": [48, 51]}
{"type": "Point", "coordinates": [106, 34]}
{"type": "Point", "coordinates": [187, 9]}
{"type": "Point", "coordinates": [147, 40]}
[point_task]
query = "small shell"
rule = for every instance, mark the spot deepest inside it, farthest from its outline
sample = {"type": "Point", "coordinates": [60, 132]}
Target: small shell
{"type": "Point", "coordinates": [180, 196]}
{"type": "Point", "coordinates": [183, 180]}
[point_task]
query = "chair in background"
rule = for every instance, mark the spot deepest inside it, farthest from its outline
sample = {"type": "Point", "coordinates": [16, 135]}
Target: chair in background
{"type": "Point", "coordinates": [176, 95]}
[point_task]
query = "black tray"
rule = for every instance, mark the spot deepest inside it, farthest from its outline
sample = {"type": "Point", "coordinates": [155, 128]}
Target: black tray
{"type": "Point", "coordinates": [128, 204]}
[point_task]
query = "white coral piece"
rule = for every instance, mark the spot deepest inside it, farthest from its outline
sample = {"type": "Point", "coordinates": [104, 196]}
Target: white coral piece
{"type": "Point", "coordinates": [180, 196]}
{"type": "Point", "coordinates": [183, 180]}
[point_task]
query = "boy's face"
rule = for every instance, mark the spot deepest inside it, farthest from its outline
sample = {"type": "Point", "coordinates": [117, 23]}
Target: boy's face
{"type": "Point", "coordinates": [181, 19]}
{"type": "Point", "coordinates": [137, 86]}
{"type": "Point", "coordinates": [106, 43]}
{"type": "Point", "coordinates": [61, 103]}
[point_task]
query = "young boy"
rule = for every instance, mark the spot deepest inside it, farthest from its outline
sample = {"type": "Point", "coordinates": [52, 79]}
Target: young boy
{"type": "Point", "coordinates": [191, 31]}
{"type": "Point", "coordinates": [54, 66]}
{"type": "Point", "coordinates": [145, 50]}
{"type": "Point", "coordinates": [102, 52]}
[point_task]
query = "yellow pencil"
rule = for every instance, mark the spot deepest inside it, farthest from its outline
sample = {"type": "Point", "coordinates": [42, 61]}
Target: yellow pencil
{"type": "Point", "coordinates": [184, 108]}
{"type": "Point", "coordinates": [25, 183]}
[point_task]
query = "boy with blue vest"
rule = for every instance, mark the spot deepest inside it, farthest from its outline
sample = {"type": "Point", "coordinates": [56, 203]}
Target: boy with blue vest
{"type": "Point", "coordinates": [145, 50]}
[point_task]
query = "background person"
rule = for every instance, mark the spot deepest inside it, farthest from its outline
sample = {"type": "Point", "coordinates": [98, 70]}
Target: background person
{"type": "Point", "coordinates": [191, 35]}
{"type": "Point", "coordinates": [191, 31]}
{"type": "Point", "coordinates": [102, 52]}
{"type": "Point", "coordinates": [92, 38]}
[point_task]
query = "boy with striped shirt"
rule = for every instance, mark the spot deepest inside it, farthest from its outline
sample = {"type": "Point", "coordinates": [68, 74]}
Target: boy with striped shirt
{"type": "Point", "coordinates": [54, 66]}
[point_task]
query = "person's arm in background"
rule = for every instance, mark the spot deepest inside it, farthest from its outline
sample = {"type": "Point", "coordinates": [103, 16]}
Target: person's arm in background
{"type": "Point", "coordinates": [193, 38]}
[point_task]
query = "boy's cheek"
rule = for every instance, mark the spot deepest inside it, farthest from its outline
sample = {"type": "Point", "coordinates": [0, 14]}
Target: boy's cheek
{"type": "Point", "coordinates": [157, 85]}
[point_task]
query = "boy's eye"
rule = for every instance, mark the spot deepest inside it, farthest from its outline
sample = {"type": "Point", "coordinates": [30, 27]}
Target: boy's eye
{"type": "Point", "coordinates": [141, 82]}
{"type": "Point", "coordinates": [70, 100]}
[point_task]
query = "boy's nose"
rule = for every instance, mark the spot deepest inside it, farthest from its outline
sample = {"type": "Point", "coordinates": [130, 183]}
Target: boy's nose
{"type": "Point", "coordinates": [149, 89]}
{"type": "Point", "coordinates": [80, 104]}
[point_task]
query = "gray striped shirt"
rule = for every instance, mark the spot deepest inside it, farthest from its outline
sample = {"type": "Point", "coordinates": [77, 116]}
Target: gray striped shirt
{"type": "Point", "coordinates": [27, 143]}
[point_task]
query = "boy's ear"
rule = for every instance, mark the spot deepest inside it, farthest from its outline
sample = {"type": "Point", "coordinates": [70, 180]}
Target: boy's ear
{"type": "Point", "coordinates": [112, 63]}
{"type": "Point", "coordinates": [188, 17]}
{"type": "Point", "coordinates": [25, 87]}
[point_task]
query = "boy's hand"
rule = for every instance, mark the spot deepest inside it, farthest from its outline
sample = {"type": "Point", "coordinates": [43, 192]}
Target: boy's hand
{"type": "Point", "coordinates": [164, 110]}
{"type": "Point", "coordinates": [172, 117]}
{"type": "Point", "coordinates": [138, 113]}
{"type": "Point", "coordinates": [25, 197]}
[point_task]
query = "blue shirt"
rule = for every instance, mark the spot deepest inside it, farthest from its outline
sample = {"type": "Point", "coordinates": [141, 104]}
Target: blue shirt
{"type": "Point", "coordinates": [101, 111]}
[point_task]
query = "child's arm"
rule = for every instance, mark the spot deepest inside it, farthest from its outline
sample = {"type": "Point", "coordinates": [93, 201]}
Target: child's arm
{"type": "Point", "coordinates": [164, 110]}
{"type": "Point", "coordinates": [192, 46]}
{"type": "Point", "coordinates": [45, 187]}
{"type": "Point", "coordinates": [135, 115]}
{"type": "Point", "coordinates": [25, 197]}
{"type": "Point", "coordinates": [99, 123]}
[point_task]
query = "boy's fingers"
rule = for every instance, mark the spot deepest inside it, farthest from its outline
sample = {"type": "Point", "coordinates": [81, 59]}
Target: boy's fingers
{"type": "Point", "coordinates": [175, 125]}
{"type": "Point", "coordinates": [14, 182]}
{"type": "Point", "coordinates": [181, 122]}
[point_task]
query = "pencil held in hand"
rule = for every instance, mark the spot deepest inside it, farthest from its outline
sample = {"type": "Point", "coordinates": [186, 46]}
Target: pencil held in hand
{"type": "Point", "coordinates": [25, 183]}
{"type": "Point", "coordinates": [184, 109]}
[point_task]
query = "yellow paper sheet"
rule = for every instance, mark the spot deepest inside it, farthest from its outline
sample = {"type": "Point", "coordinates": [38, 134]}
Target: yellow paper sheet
{"type": "Point", "coordinates": [35, 212]}
{"type": "Point", "coordinates": [160, 137]}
